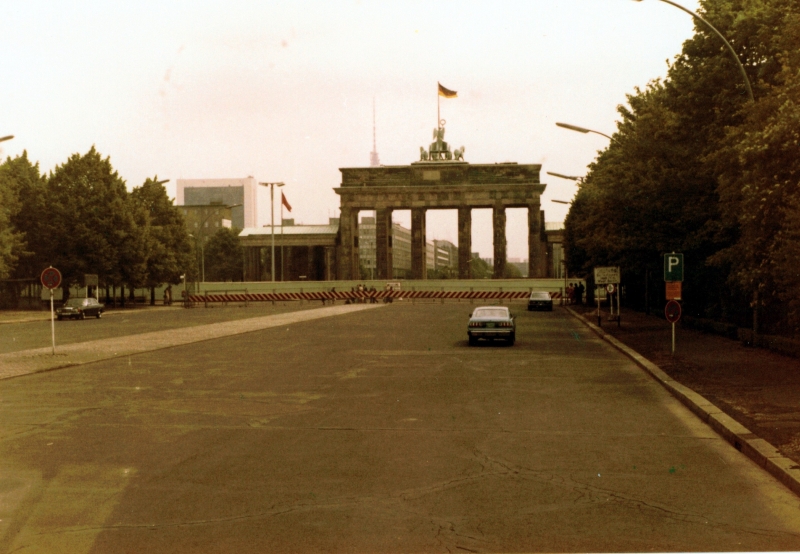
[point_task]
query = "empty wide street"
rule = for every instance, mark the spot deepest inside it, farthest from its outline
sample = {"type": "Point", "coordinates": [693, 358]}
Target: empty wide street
{"type": "Point", "coordinates": [378, 430]}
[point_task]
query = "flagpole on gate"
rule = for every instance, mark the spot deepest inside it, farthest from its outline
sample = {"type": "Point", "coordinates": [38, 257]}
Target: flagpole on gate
{"type": "Point", "coordinates": [281, 237]}
{"type": "Point", "coordinates": [438, 103]}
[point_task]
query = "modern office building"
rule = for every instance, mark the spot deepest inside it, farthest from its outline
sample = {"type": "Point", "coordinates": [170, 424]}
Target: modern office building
{"type": "Point", "coordinates": [239, 193]}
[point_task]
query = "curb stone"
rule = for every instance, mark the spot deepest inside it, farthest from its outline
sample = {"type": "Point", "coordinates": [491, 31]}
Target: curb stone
{"type": "Point", "coordinates": [758, 450]}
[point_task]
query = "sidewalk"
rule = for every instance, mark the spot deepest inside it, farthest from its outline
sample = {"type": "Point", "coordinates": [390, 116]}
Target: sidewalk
{"type": "Point", "coordinates": [24, 316]}
{"type": "Point", "coordinates": [755, 387]}
{"type": "Point", "coordinates": [24, 362]}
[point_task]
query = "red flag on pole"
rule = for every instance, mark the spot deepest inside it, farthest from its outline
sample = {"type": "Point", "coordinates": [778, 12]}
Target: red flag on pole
{"type": "Point", "coordinates": [285, 202]}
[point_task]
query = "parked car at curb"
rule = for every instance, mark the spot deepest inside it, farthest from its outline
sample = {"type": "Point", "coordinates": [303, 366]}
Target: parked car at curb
{"type": "Point", "coordinates": [540, 300]}
{"type": "Point", "coordinates": [79, 308]}
{"type": "Point", "coordinates": [491, 322]}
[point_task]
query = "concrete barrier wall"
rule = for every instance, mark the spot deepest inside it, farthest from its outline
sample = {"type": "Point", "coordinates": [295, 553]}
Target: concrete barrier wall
{"type": "Point", "coordinates": [553, 286]}
{"type": "Point", "coordinates": [445, 285]}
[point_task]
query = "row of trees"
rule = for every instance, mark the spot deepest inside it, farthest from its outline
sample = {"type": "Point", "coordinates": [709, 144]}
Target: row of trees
{"type": "Point", "coordinates": [81, 219]}
{"type": "Point", "coordinates": [695, 167]}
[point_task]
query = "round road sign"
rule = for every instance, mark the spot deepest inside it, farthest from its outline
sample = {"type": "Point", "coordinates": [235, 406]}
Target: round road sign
{"type": "Point", "coordinates": [672, 311]}
{"type": "Point", "coordinates": [610, 288]}
{"type": "Point", "coordinates": [51, 278]}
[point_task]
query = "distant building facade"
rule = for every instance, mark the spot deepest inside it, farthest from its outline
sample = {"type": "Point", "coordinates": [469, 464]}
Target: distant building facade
{"type": "Point", "coordinates": [203, 221]}
{"type": "Point", "coordinates": [401, 249]}
{"type": "Point", "coordinates": [240, 193]}
{"type": "Point", "coordinates": [302, 252]}
{"type": "Point", "coordinates": [555, 248]}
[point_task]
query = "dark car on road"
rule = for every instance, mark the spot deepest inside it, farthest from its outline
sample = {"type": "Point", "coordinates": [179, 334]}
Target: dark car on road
{"type": "Point", "coordinates": [491, 322]}
{"type": "Point", "coordinates": [79, 308]}
{"type": "Point", "coordinates": [540, 300]}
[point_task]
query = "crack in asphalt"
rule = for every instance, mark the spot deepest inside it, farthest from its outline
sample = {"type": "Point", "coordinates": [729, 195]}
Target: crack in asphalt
{"type": "Point", "coordinates": [592, 494]}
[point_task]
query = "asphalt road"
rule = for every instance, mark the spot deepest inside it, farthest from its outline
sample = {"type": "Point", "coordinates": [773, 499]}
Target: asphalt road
{"type": "Point", "coordinates": [376, 431]}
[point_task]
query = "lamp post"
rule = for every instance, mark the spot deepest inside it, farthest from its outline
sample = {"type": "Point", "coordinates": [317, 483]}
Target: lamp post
{"type": "Point", "coordinates": [272, 221]}
{"type": "Point", "coordinates": [752, 99]}
{"type": "Point", "coordinates": [727, 44]}
{"type": "Point", "coordinates": [9, 137]}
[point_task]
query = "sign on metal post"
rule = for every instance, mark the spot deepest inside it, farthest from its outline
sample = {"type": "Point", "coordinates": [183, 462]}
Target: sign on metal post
{"type": "Point", "coordinates": [673, 267]}
{"type": "Point", "coordinates": [674, 291]}
{"type": "Point", "coordinates": [672, 311]}
{"type": "Point", "coordinates": [51, 278]}
{"type": "Point", "coordinates": [606, 275]}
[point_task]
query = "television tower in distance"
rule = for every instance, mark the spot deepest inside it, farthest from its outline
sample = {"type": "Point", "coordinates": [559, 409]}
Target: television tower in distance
{"type": "Point", "coordinates": [374, 161]}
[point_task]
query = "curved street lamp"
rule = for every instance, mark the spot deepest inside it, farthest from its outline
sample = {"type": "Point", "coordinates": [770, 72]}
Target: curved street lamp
{"type": "Point", "coordinates": [728, 44]}
{"type": "Point", "coordinates": [583, 130]}
{"type": "Point", "coordinates": [570, 177]}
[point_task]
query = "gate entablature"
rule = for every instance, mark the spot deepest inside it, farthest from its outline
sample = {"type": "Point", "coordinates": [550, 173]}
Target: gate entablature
{"type": "Point", "coordinates": [441, 174]}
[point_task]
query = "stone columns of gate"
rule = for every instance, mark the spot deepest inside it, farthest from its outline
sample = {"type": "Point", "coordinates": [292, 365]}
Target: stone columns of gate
{"type": "Point", "coordinates": [348, 234]}
{"type": "Point", "coordinates": [383, 243]}
{"type": "Point", "coordinates": [536, 257]}
{"type": "Point", "coordinates": [419, 248]}
{"type": "Point", "coordinates": [465, 243]}
{"type": "Point", "coordinates": [499, 234]}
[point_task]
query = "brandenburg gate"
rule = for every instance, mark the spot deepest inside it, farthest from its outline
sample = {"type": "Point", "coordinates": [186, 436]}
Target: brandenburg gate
{"type": "Point", "coordinates": [441, 179]}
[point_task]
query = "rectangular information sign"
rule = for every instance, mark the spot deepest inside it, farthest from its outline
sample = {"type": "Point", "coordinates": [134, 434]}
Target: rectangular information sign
{"type": "Point", "coordinates": [674, 290]}
{"type": "Point", "coordinates": [606, 275]}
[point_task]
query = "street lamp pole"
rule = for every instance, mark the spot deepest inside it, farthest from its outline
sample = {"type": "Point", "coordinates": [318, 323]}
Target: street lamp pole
{"type": "Point", "coordinates": [272, 222]}
{"type": "Point", "coordinates": [727, 44]}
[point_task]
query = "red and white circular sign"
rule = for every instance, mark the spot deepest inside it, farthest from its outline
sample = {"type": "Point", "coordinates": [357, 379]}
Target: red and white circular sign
{"type": "Point", "coordinates": [51, 278]}
{"type": "Point", "coordinates": [672, 311]}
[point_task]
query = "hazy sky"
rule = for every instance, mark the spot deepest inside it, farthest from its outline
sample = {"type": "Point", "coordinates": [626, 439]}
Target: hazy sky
{"type": "Point", "coordinates": [283, 91]}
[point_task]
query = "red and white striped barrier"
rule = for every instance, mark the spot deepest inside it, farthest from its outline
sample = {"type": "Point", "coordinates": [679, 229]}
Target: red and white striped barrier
{"type": "Point", "coordinates": [362, 295]}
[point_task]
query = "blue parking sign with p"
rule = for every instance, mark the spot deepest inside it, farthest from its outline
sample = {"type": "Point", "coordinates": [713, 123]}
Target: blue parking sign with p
{"type": "Point", "coordinates": [673, 267]}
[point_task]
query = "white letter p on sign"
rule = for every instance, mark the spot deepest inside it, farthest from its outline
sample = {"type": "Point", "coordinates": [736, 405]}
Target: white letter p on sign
{"type": "Point", "coordinates": [672, 261]}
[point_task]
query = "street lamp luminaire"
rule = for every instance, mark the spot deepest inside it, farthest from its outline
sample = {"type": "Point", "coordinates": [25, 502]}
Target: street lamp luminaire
{"type": "Point", "coordinates": [570, 177]}
{"type": "Point", "coordinates": [272, 221]}
{"type": "Point", "coordinates": [582, 130]}
{"type": "Point", "coordinates": [727, 44]}
{"type": "Point", "coordinates": [9, 137]}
